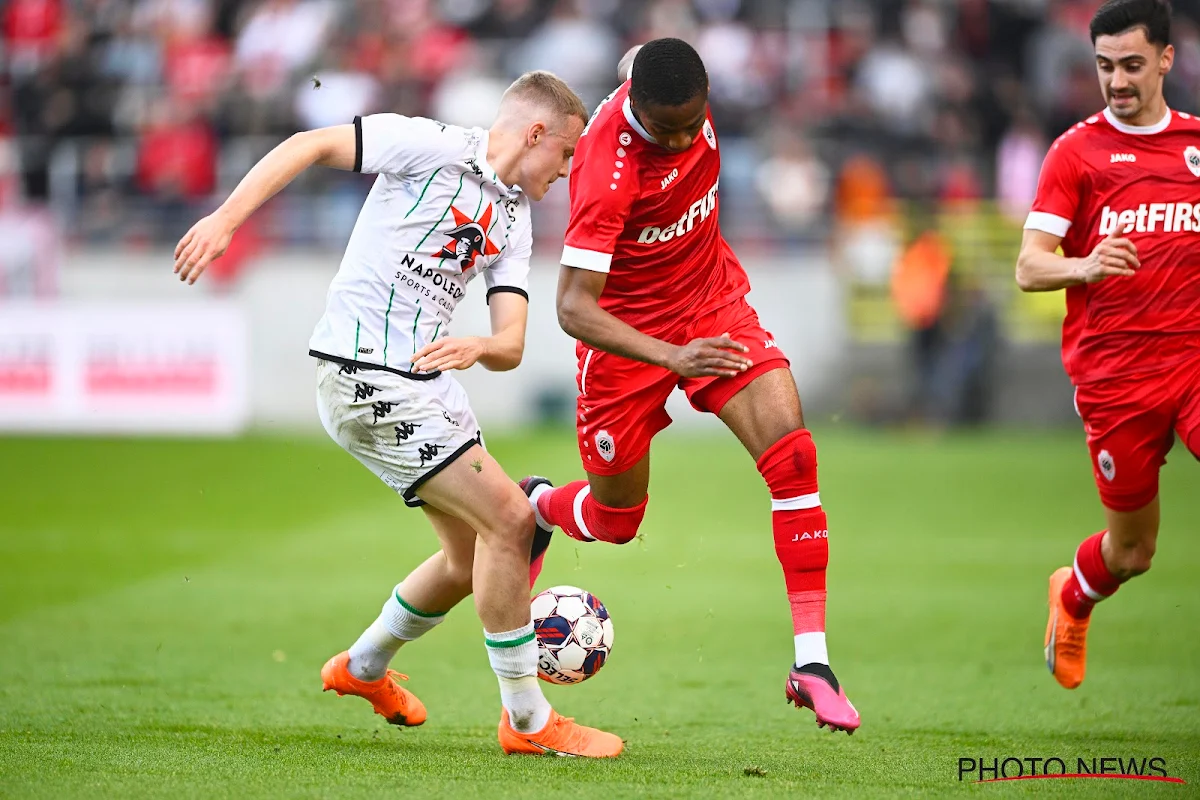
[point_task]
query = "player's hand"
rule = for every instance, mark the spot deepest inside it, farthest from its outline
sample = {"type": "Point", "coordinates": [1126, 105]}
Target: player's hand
{"type": "Point", "coordinates": [448, 353]}
{"type": "Point", "coordinates": [719, 356]}
{"type": "Point", "coordinates": [207, 240]}
{"type": "Point", "coordinates": [1115, 255]}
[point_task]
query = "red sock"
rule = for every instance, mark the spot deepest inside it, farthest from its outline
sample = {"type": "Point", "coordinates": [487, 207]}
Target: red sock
{"type": "Point", "coordinates": [1091, 581]}
{"type": "Point", "coordinates": [582, 517]}
{"type": "Point", "coordinates": [799, 525]}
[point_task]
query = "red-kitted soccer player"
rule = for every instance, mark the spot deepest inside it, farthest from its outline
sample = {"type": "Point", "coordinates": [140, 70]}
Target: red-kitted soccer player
{"type": "Point", "coordinates": [656, 299]}
{"type": "Point", "coordinates": [1120, 193]}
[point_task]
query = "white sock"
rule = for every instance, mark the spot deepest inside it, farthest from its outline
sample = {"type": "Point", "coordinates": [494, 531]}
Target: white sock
{"type": "Point", "coordinates": [533, 497]}
{"type": "Point", "coordinates": [810, 649]}
{"type": "Point", "coordinates": [513, 655]}
{"type": "Point", "coordinates": [397, 623]}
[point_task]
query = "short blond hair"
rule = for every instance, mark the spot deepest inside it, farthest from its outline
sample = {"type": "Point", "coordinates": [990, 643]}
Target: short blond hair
{"type": "Point", "coordinates": [548, 91]}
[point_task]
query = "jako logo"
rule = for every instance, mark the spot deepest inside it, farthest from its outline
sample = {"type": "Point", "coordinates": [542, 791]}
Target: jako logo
{"type": "Point", "coordinates": [1147, 218]}
{"type": "Point", "coordinates": [667, 180]}
{"type": "Point", "coordinates": [701, 208]}
{"type": "Point", "coordinates": [800, 537]}
{"type": "Point", "coordinates": [1122, 158]}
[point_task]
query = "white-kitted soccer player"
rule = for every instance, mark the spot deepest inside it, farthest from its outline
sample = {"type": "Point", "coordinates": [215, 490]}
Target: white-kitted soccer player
{"type": "Point", "coordinates": [448, 204]}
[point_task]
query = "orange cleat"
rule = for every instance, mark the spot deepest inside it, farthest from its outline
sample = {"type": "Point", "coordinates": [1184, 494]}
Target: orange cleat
{"type": "Point", "coordinates": [392, 702]}
{"type": "Point", "coordinates": [561, 737]}
{"type": "Point", "coordinates": [1066, 637]}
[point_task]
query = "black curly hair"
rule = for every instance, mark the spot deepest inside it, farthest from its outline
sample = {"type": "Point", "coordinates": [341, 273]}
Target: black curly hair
{"type": "Point", "coordinates": [667, 72]}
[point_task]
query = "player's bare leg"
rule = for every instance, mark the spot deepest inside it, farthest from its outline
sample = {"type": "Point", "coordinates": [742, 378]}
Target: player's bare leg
{"type": "Point", "coordinates": [419, 603]}
{"type": "Point", "coordinates": [474, 489]}
{"type": "Point", "coordinates": [1102, 563]}
{"type": "Point", "coordinates": [786, 457]}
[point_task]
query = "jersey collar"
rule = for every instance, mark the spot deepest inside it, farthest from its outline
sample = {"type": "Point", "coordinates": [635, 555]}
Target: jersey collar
{"type": "Point", "coordinates": [632, 120]}
{"type": "Point", "coordinates": [489, 174]}
{"type": "Point", "coordinates": [1138, 130]}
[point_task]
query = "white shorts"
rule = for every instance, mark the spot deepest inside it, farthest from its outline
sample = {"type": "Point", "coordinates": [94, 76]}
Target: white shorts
{"type": "Point", "coordinates": [403, 430]}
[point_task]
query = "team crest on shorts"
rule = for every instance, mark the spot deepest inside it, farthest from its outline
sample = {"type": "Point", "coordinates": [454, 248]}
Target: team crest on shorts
{"type": "Point", "coordinates": [605, 446]}
{"type": "Point", "coordinates": [1105, 461]}
{"type": "Point", "coordinates": [1192, 156]}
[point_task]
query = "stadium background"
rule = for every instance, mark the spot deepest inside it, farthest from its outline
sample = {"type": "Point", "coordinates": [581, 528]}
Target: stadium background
{"type": "Point", "coordinates": [165, 601]}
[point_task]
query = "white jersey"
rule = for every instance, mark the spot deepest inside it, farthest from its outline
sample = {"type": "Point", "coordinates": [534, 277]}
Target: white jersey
{"type": "Point", "coordinates": [436, 217]}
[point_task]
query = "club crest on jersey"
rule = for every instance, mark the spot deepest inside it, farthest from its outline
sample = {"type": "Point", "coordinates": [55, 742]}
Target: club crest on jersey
{"type": "Point", "coordinates": [605, 446]}
{"type": "Point", "coordinates": [1192, 157]}
{"type": "Point", "coordinates": [469, 239]}
{"type": "Point", "coordinates": [1108, 467]}
{"type": "Point", "coordinates": [710, 135]}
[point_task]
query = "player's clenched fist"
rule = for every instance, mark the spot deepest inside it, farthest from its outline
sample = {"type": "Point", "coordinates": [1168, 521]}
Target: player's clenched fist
{"type": "Point", "coordinates": [718, 356]}
{"type": "Point", "coordinates": [1115, 255]}
{"type": "Point", "coordinates": [207, 240]}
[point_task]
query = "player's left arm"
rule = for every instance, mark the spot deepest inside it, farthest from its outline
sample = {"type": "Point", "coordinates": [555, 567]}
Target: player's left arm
{"type": "Point", "coordinates": [508, 303]}
{"type": "Point", "coordinates": [499, 352]}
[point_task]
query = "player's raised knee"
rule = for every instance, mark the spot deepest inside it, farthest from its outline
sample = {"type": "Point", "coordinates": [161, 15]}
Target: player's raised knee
{"type": "Point", "coordinates": [512, 521]}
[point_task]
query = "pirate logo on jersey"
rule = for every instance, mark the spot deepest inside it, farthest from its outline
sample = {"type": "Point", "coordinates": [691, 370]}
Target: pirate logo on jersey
{"type": "Point", "coordinates": [469, 239]}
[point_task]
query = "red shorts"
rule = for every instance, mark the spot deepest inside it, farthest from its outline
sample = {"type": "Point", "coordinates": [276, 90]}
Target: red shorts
{"type": "Point", "coordinates": [622, 403]}
{"type": "Point", "coordinates": [1131, 425]}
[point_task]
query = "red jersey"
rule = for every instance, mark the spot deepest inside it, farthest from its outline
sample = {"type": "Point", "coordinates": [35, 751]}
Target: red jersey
{"type": "Point", "coordinates": [1101, 176]}
{"type": "Point", "coordinates": [648, 218]}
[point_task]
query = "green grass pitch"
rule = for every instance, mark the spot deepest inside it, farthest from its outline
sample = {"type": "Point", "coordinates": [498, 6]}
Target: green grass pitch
{"type": "Point", "coordinates": [165, 607]}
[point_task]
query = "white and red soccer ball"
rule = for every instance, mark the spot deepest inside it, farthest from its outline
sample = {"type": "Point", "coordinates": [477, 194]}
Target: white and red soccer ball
{"type": "Point", "coordinates": [574, 634]}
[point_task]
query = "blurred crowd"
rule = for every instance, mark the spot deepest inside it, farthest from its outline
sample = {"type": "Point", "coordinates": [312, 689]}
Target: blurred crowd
{"type": "Point", "coordinates": [127, 118]}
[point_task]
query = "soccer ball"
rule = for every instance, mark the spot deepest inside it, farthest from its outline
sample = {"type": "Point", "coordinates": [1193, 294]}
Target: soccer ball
{"type": "Point", "coordinates": [574, 634]}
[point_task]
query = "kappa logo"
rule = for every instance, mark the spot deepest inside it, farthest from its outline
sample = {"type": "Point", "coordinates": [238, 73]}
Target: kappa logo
{"type": "Point", "coordinates": [469, 239]}
{"type": "Point", "coordinates": [1191, 157]}
{"type": "Point", "coordinates": [605, 446]}
{"type": "Point", "coordinates": [1108, 467]}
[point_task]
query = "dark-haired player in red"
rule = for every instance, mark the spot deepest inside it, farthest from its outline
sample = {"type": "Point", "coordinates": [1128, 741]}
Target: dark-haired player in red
{"type": "Point", "coordinates": [1120, 193]}
{"type": "Point", "coordinates": [656, 299]}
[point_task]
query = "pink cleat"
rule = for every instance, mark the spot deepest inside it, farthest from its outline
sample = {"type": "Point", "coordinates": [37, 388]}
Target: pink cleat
{"type": "Point", "coordinates": [814, 687]}
{"type": "Point", "coordinates": [541, 536]}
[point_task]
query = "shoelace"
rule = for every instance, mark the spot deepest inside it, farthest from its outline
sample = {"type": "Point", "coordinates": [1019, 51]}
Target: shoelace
{"type": "Point", "coordinates": [396, 677]}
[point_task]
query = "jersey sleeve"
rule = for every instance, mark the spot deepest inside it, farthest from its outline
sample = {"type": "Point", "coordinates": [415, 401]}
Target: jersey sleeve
{"type": "Point", "coordinates": [1058, 192]}
{"type": "Point", "coordinates": [510, 272]}
{"type": "Point", "coordinates": [602, 193]}
{"type": "Point", "coordinates": [399, 145]}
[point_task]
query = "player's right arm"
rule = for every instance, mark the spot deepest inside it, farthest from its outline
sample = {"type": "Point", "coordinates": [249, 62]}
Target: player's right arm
{"type": "Point", "coordinates": [209, 238]}
{"type": "Point", "coordinates": [378, 143]}
{"type": "Point", "coordinates": [601, 203]}
{"type": "Point", "coordinates": [580, 315]}
{"type": "Point", "coordinates": [1041, 269]}
{"type": "Point", "coordinates": [1061, 186]}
